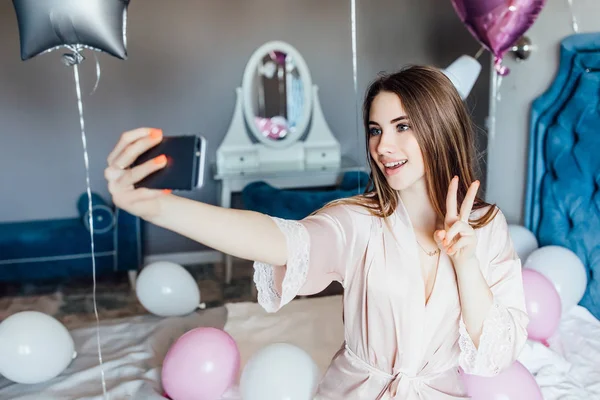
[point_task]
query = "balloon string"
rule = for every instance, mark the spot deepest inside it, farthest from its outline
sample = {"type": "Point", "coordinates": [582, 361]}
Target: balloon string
{"type": "Point", "coordinates": [355, 80]}
{"type": "Point", "coordinates": [493, 101]}
{"type": "Point", "coordinates": [498, 85]}
{"type": "Point", "coordinates": [573, 18]}
{"type": "Point", "coordinates": [479, 52]}
{"type": "Point", "coordinates": [90, 217]}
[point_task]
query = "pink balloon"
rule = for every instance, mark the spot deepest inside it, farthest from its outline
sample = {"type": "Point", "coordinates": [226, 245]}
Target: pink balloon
{"type": "Point", "coordinates": [498, 24]}
{"type": "Point", "coordinates": [201, 365]}
{"type": "Point", "coordinates": [543, 305]}
{"type": "Point", "coordinates": [514, 383]}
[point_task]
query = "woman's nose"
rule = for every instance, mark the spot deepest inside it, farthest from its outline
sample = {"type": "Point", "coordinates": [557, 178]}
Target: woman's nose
{"type": "Point", "coordinates": [386, 144]}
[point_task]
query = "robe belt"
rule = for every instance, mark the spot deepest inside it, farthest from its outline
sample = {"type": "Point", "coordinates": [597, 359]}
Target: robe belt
{"type": "Point", "coordinates": [396, 379]}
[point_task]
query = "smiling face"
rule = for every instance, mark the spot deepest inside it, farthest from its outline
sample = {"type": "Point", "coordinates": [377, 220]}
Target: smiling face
{"type": "Point", "coordinates": [392, 143]}
{"type": "Point", "coordinates": [418, 136]}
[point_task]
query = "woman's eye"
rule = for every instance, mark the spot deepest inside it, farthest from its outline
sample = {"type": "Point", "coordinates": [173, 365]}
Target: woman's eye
{"type": "Point", "coordinates": [374, 131]}
{"type": "Point", "coordinates": [402, 127]}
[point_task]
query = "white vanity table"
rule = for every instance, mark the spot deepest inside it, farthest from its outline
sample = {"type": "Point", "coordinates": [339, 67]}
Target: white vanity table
{"type": "Point", "coordinates": [278, 133]}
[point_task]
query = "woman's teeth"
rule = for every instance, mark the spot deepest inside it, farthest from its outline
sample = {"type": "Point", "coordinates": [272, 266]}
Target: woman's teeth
{"type": "Point", "coordinates": [395, 164]}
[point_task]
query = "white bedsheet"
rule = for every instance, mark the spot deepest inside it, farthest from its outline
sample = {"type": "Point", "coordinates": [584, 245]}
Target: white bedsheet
{"type": "Point", "coordinates": [570, 368]}
{"type": "Point", "coordinates": [133, 351]}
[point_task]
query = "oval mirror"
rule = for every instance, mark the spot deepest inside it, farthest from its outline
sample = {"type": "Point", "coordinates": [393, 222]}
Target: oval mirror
{"type": "Point", "coordinates": [277, 94]}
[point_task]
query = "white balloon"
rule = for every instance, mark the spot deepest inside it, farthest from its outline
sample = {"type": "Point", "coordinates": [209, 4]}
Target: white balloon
{"type": "Point", "coordinates": [566, 271]}
{"type": "Point", "coordinates": [167, 289]}
{"type": "Point", "coordinates": [34, 347]}
{"type": "Point", "coordinates": [523, 240]}
{"type": "Point", "coordinates": [279, 371]}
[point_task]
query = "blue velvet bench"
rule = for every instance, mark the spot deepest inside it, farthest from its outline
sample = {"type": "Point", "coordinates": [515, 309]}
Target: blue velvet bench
{"type": "Point", "coordinates": [298, 204]}
{"type": "Point", "coordinates": [60, 249]}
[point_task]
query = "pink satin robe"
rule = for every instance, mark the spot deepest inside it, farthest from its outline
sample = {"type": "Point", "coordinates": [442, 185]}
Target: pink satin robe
{"type": "Point", "coordinates": [397, 346]}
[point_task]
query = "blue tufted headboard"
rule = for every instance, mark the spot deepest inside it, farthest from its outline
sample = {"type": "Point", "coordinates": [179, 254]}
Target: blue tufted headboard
{"type": "Point", "coordinates": [562, 204]}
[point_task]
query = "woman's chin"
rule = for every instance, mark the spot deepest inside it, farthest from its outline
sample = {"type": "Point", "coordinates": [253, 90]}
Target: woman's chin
{"type": "Point", "coordinates": [401, 183]}
{"type": "Point", "coordinates": [397, 184]}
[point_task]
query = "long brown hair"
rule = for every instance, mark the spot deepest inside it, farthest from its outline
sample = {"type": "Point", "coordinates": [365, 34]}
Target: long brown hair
{"type": "Point", "coordinates": [444, 132]}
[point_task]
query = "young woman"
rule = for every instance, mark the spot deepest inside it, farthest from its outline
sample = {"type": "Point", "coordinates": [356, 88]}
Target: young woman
{"type": "Point", "coordinates": [431, 280]}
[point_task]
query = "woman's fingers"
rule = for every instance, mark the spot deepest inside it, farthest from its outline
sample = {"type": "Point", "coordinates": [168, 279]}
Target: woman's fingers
{"type": "Point", "coordinates": [132, 144]}
{"type": "Point", "coordinates": [469, 200]}
{"type": "Point", "coordinates": [136, 174]}
{"type": "Point", "coordinates": [451, 201]}
{"type": "Point", "coordinates": [459, 227]}
{"type": "Point", "coordinates": [112, 174]}
{"type": "Point", "coordinates": [124, 180]}
{"type": "Point", "coordinates": [439, 236]}
{"type": "Point", "coordinates": [460, 243]}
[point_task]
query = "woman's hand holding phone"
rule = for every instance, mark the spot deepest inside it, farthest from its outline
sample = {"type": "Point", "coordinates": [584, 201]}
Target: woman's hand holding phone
{"type": "Point", "coordinates": [121, 177]}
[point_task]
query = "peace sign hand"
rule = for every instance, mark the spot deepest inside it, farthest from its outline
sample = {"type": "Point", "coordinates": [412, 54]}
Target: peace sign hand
{"type": "Point", "coordinates": [458, 238]}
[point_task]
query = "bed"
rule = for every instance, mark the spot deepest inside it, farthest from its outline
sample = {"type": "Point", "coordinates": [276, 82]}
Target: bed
{"type": "Point", "coordinates": [133, 350]}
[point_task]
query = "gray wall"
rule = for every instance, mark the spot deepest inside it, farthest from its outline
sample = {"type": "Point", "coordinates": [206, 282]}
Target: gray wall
{"type": "Point", "coordinates": [185, 60]}
{"type": "Point", "coordinates": [509, 144]}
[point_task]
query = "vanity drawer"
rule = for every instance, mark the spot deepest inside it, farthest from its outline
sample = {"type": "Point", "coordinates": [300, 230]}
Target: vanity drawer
{"type": "Point", "coordinates": [325, 156]}
{"type": "Point", "coordinates": [238, 161]}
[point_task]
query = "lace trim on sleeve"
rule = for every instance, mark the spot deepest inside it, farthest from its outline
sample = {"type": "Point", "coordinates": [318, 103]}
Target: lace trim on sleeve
{"type": "Point", "coordinates": [495, 344]}
{"type": "Point", "coordinates": [298, 245]}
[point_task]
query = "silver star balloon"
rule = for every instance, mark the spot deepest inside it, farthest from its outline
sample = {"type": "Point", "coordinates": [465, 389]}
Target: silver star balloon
{"type": "Point", "coordinates": [45, 25]}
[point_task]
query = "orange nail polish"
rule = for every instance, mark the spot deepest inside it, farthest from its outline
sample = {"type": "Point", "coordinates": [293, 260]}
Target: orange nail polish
{"type": "Point", "coordinates": [167, 191]}
{"type": "Point", "coordinates": [160, 159]}
{"type": "Point", "coordinates": [155, 133]}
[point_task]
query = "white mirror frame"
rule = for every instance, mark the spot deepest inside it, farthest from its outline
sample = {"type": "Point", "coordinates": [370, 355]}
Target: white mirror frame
{"type": "Point", "coordinates": [247, 82]}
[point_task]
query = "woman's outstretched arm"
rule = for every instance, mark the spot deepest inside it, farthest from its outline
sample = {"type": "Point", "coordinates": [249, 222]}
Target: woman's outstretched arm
{"type": "Point", "coordinates": [245, 234]}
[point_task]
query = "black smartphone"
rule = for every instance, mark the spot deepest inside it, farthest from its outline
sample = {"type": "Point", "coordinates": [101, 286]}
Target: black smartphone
{"type": "Point", "coordinates": [186, 159]}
